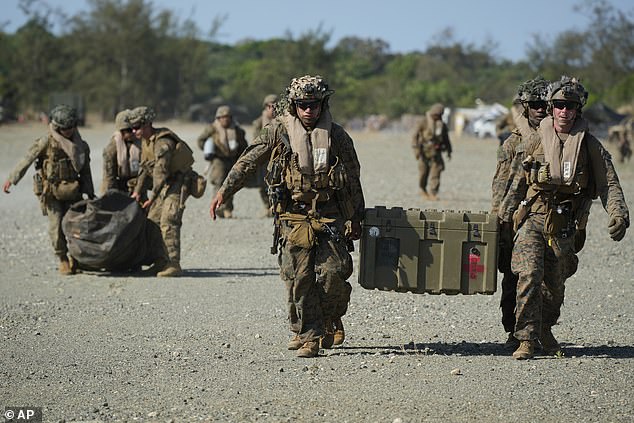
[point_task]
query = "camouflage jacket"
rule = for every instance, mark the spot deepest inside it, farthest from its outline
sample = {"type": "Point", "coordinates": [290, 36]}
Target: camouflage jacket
{"type": "Point", "coordinates": [501, 181]}
{"type": "Point", "coordinates": [270, 137]}
{"type": "Point", "coordinates": [603, 180]}
{"type": "Point", "coordinates": [156, 156]}
{"type": "Point", "coordinates": [38, 151]}
{"type": "Point", "coordinates": [221, 151]}
{"type": "Point", "coordinates": [428, 144]}
{"type": "Point", "coordinates": [111, 178]}
{"type": "Point", "coordinates": [505, 158]}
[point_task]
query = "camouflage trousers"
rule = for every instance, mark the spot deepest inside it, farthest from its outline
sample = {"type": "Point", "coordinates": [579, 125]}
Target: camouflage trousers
{"type": "Point", "coordinates": [542, 266]}
{"type": "Point", "coordinates": [55, 210]}
{"type": "Point", "coordinates": [218, 171]}
{"type": "Point", "coordinates": [316, 284]}
{"type": "Point", "coordinates": [167, 212]}
{"type": "Point", "coordinates": [509, 283]}
{"type": "Point", "coordinates": [429, 171]}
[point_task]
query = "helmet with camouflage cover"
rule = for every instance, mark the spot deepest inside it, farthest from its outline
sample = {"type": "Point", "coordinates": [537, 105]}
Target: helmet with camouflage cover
{"type": "Point", "coordinates": [437, 109]}
{"type": "Point", "coordinates": [568, 88]}
{"type": "Point", "coordinates": [121, 120]}
{"type": "Point", "coordinates": [141, 115]}
{"type": "Point", "coordinates": [307, 88]}
{"type": "Point", "coordinates": [269, 99]}
{"type": "Point", "coordinates": [533, 90]}
{"type": "Point", "coordinates": [223, 111]}
{"type": "Point", "coordinates": [63, 116]}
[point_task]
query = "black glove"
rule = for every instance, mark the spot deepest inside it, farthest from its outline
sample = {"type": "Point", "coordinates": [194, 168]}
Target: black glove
{"type": "Point", "coordinates": [579, 240]}
{"type": "Point", "coordinates": [616, 228]}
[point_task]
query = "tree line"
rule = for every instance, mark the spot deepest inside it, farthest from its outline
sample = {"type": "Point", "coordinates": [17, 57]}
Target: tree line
{"type": "Point", "coordinates": [121, 53]}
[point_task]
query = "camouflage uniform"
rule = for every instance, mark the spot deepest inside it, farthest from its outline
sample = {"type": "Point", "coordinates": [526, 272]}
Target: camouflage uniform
{"type": "Point", "coordinates": [547, 204]}
{"type": "Point", "coordinates": [61, 177]}
{"type": "Point", "coordinates": [313, 263]}
{"type": "Point", "coordinates": [225, 152]}
{"type": "Point", "coordinates": [167, 163]}
{"type": "Point", "coordinates": [532, 90]}
{"type": "Point", "coordinates": [121, 158]}
{"type": "Point", "coordinates": [429, 141]}
{"type": "Point", "coordinates": [258, 124]}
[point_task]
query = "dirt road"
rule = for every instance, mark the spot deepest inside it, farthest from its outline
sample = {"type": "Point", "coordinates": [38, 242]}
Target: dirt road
{"type": "Point", "coordinates": [211, 345]}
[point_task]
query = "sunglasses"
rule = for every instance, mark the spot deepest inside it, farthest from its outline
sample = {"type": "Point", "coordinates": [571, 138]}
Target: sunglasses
{"type": "Point", "coordinates": [136, 127]}
{"type": "Point", "coordinates": [305, 104]}
{"type": "Point", "coordinates": [563, 104]}
{"type": "Point", "coordinates": [536, 105]}
{"type": "Point", "coordinates": [65, 129]}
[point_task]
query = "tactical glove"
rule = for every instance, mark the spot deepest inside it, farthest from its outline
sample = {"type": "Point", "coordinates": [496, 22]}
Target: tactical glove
{"type": "Point", "coordinates": [616, 228]}
{"type": "Point", "coordinates": [579, 240]}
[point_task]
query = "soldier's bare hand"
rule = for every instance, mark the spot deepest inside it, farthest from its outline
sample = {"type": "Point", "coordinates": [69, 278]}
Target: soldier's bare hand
{"type": "Point", "coordinates": [136, 196]}
{"type": "Point", "coordinates": [215, 203]}
{"type": "Point", "coordinates": [146, 204]}
{"type": "Point", "coordinates": [6, 186]}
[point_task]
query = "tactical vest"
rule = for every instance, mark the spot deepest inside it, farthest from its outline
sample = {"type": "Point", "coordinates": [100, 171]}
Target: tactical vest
{"type": "Point", "coordinates": [57, 166]}
{"type": "Point", "coordinates": [182, 155]}
{"type": "Point", "coordinates": [549, 195]}
{"type": "Point", "coordinates": [284, 171]}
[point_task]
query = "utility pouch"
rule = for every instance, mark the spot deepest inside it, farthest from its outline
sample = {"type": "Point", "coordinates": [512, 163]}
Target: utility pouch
{"type": "Point", "coordinates": [38, 184]}
{"type": "Point", "coordinates": [559, 222]}
{"type": "Point", "coordinates": [543, 174]}
{"type": "Point", "coordinates": [66, 191]}
{"type": "Point", "coordinates": [197, 184]}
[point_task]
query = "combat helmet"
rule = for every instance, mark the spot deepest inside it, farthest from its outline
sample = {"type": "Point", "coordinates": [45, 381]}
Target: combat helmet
{"type": "Point", "coordinates": [223, 111]}
{"type": "Point", "coordinates": [141, 115]}
{"type": "Point", "coordinates": [568, 88]}
{"type": "Point", "coordinates": [121, 120]}
{"type": "Point", "coordinates": [63, 116]}
{"type": "Point", "coordinates": [437, 109]}
{"type": "Point", "coordinates": [533, 90]}
{"type": "Point", "coordinates": [269, 99]}
{"type": "Point", "coordinates": [307, 88]}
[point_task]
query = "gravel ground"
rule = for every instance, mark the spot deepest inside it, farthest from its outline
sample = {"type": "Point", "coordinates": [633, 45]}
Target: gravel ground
{"type": "Point", "coordinates": [211, 345]}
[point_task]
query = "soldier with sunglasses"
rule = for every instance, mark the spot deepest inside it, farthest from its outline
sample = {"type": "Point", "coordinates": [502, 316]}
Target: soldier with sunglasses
{"type": "Point", "coordinates": [313, 175]}
{"type": "Point", "coordinates": [532, 96]}
{"type": "Point", "coordinates": [563, 168]}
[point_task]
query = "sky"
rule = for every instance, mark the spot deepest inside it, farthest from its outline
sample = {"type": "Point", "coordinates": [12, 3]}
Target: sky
{"type": "Point", "coordinates": [406, 25]}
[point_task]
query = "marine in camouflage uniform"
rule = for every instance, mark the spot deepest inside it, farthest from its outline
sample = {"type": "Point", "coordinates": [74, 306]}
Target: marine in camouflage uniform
{"type": "Point", "coordinates": [314, 174]}
{"type": "Point", "coordinates": [268, 113]}
{"type": "Point", "coordinates": [166, 161]}
{"type": "Point", "coordinates": [121, 157]}
{"type": "Point", "coordinates": [228, 141]}
{"type": "Point", "coordinates": [564, 168]}
{"type": "Point", "coordinates": [430, 140]}
{"type": "Point", "coordinates": [532, 98]}
{"type": "Point", "coordinates": [63, 176]}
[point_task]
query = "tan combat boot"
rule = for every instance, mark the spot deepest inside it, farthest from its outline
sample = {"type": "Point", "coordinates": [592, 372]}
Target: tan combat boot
{"type": "Point", "coordinates": [512, 342]}
{"type": "Point", "coordinates": [525, 351]}
{"type": "Point", "coordinates": [228, 214]}
{"type": "Point", "coordinates": [295, 343]}
{"type": "Point", "coordinates": [329, 334]}
{"type": "Point", "coordinates": [309, 349]}
{"type": "Point", "coordinates": [340, 335]}
{"type": "Point", "coordinates": [171, 270]}
{"type": "Point", "coordinates": [64, 266]}
{"type": "Point", "coordinates": [550, 346]}
{"type": "Point", "coordinates": [158, 265]}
